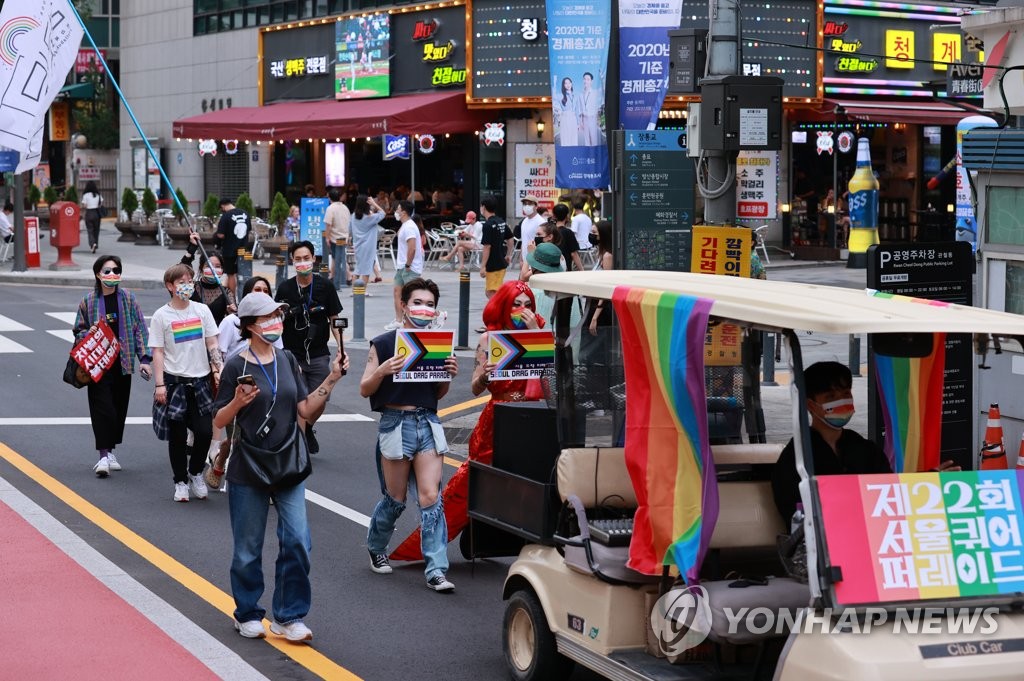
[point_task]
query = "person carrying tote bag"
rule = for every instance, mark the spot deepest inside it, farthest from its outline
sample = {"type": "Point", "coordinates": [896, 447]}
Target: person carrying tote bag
{"type": "Point", "coordinates": [263, 393]}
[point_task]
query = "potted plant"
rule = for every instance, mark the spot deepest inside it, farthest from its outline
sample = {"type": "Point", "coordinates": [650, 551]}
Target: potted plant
{"type": "Point", "coordinates": [244, 202]}
{"type": "Point", "coordinates": [278, 215]}
{"type": "Point", "coordinates": [129, 204]}
{"type": "Point", "coordinates": [146, 233]}
{"type": "Point", "coordinates": [71, 194]}
{"type": "Point", "coordinates": [34, 196]}
{"type": "Point", "coordinates": [50, 197]}
{"type": "Point", "coordinates": [179, 233]}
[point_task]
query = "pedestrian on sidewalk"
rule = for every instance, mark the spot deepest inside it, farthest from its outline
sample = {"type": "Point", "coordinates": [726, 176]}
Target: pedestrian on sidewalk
{"type": "Point", "coordinates": [187, 365]}
{"type": "Point", "coordinates": [365, 230]}
{"type": "Point", "coordinates": [313, 305]}
{"type": "Point", "coordinates": [266, 411]}
{"type": "Point", "coordinates": [410, 439]}
{"type": "Point", "coordinates": [497, 246]}
{"type": "Point", "coordinates": [409, 258]}
{"type": "Point", "coordinates": [91, 203]}
{"type": "Point", "coordinates": [108, 398]}
{"type": "Point", "coordinates": [337, 223]}
{"type": "Point", "coordinates": [512, 307]}
{"type": "Point", "coordinates": [232, 234]}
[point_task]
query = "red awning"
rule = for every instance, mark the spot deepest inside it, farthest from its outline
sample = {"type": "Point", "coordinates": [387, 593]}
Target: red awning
{"type": "Point", "coordinates": [923, 112]}
{"type": "Point", "coordinates": [419, 114]}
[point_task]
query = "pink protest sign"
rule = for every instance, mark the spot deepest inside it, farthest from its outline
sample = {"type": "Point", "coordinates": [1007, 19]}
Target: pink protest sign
{"type": "Point", "coordinates": [96, 352]}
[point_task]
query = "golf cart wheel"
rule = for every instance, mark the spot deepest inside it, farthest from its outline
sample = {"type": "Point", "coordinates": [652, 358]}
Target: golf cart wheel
{"type": "Point", "coordinates": [530, 650]}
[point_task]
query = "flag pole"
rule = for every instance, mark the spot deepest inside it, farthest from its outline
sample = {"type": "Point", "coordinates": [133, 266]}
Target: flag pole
{"type": "Point", "coordinates": [145, 140]}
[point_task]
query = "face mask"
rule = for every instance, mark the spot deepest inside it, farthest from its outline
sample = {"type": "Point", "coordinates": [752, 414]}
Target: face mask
{"type": "Point", "coordinates": [185, 291]}
{"type": "Point", "coordinates": [838, 412]}
{"type": "Point", "coordinates": [271, 329]}
{"type": "Point", "coordinates": [538, 240]}
{"type": "Point", "coordinates": [529, 210]}
{"type": "Point", "coordinates": [210, 279]}
{"type": "Point", "coordinates": [517, 318]}
{"type": "Point", "coordinates": [398, 216]}
{"type": "Point", "coordinates": [421, 316]}
{"type": "Point", "coordinates": [594, 239]}
{"type": "Point", "coordinates": [111, 280]}
{"type": "Point", "coordinates": [304, 267]}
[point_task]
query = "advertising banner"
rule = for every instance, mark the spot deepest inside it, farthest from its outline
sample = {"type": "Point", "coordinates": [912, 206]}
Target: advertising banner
{"type": "Point", "coordinates": [424, 353]}
{"type": "Point", "coordinates": [298, 64]}
{"type": "Point", "coordinates": [757, 190]}
{"type": "Point", "coordinates": [920, 536]}
{"type": "Point", "coordinates": [721, 250]}
{"type": "Point", "coordinates": [431, 47]}
{"type": "Point", "coordinates": [643, 59]}
{"type": "Point", "coordinates": [520, 354]}
{"type": "Point", "coordinates": [578, 33]}
{"type": "Point", "coordinates": [535, 173]}
{"type": "Point", "coordinates": [396, 146]}
{"type": "Point", "coordinates": [311, 222]}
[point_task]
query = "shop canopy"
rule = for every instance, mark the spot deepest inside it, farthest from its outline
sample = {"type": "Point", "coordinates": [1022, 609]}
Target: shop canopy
{"type": "Point", "coordinates": [427, 113]}
{"type": "Point", "coordinates": [922, 112]}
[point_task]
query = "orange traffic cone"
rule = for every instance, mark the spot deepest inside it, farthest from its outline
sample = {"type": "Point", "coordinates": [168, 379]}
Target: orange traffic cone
{"type": "Point", "coordinates": [993, 453]}
{"type": "Point", "coordinates": [1020, 453]}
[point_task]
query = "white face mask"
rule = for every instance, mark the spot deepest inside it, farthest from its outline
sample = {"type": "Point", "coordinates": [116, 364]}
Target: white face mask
{"type": "Point", "coordinates": [528, 209]}
{"type": "Point", "coordinates": [398, 216]}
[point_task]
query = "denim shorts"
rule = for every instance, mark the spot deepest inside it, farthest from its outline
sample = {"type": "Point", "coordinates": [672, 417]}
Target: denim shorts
{"type": "Point", "coordinates": [404, 434]}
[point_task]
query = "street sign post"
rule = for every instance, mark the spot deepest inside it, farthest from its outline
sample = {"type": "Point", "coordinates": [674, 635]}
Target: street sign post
{"type": "Point", "coordinates": [655, 180]}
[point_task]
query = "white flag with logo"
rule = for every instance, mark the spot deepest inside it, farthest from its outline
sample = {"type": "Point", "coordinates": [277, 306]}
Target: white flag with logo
{"type": "Point", "coordinates": [39, 42]}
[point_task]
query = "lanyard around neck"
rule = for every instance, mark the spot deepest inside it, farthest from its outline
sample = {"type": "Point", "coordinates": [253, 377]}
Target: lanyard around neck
{"type": "Point", "coordinates": [272, 384]}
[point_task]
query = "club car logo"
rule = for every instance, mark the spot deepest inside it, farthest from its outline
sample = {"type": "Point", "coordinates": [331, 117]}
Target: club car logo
{"type": "Point", "coordinates": [681, 620]}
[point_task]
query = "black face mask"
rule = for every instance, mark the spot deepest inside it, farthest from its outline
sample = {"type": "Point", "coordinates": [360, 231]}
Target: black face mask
{"type": "Point", "coordinates": [538, 240]}
{"type": "Point", "coordinates": [594, 239]}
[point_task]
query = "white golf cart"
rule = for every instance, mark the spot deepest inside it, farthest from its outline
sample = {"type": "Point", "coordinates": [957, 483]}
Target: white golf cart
{"type": "Point", "coordinates": [571, 599]}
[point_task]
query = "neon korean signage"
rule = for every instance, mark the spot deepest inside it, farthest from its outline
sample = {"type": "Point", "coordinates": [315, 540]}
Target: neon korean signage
{"type": "Point", "coordinates": [437, 51]}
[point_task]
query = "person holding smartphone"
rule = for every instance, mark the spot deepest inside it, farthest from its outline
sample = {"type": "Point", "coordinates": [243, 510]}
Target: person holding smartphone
{"type": "Point", "coordinates": [266, 397]}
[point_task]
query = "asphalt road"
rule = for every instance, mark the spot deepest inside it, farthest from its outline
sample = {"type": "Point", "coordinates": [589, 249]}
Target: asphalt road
{"type": "Point", "coordinates": [375, 626]}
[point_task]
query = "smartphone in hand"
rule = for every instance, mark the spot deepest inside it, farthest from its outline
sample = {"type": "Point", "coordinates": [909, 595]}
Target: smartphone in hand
{"type": "Point", "coordinates": [246, 379]}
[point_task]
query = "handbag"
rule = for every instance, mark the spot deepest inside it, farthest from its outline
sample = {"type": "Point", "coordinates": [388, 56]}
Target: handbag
{"type": "Point", "coordinates": [75, 375]}
{"type": "Point", "coordinates": [282, 467]}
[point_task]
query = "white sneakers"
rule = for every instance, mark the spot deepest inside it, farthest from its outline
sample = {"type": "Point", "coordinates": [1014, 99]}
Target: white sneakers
{"type": "Point", "coordinates": [251, 629]}
{"type": "Point", "coordinates": [112, 462]}
{"type": "Point", "coordinates": [180, 492]}
{"type": "Point", "coordinates": [102, 467]}
{"type": "Point", "coordinates": [293, 631]}
{"type": "Point", "coordinates": [197, 486]}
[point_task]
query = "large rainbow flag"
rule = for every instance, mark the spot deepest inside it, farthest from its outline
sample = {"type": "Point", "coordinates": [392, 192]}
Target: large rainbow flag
{"type": "Point", "coordinates": [667, 451]}
{"type": "Point", "coordinates": [910, 390]}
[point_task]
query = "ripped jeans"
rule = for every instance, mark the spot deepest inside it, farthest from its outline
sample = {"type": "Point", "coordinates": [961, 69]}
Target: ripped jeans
{"type": "Point", "coordinates": [405, 434]}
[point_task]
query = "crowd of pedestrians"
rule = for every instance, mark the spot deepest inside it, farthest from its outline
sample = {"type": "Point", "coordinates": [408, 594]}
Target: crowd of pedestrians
{"type": "Point", "coordinates": [240, 382]}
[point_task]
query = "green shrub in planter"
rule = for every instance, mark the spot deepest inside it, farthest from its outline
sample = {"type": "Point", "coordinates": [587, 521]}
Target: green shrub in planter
{"type": "Point", "coordinates": [129, 202]}
{"type": "Point", "coordinates": [148, 203]}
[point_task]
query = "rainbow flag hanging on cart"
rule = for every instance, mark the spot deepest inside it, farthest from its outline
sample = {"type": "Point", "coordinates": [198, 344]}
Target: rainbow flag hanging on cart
{"type": "Point", "coordinates": [910, 391]}
{"type": "Point", "coordinates": [667, 451]}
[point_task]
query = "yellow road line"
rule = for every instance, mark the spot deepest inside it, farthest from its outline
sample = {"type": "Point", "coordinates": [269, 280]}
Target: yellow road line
{"type": "Point", "coordinates": [308, 657]}
{"type": "Point", "coordinates": [454, 463]}
{"type": "Point", "coordinates": [462, 406]}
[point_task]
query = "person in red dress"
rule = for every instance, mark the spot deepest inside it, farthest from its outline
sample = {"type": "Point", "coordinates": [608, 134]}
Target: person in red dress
{"type": "Point", "coordinates": [512, 307]}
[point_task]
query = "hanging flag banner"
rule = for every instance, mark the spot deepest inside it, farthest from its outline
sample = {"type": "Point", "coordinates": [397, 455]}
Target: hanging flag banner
{"type": "Point", "coordinates": [39, 42]}
{"type": "Point", "coordinates": [643, 59]}
{"type": "Point", "coordinates": [578, 33]}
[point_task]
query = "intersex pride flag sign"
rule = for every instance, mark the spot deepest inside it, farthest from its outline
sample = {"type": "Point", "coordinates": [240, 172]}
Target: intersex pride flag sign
{"type": "Point", "coordinates": [424, 353]}
{"type": "Point", "coordinates": [521, 354]}
{"type": "Point", "coordinates": [96, 352]}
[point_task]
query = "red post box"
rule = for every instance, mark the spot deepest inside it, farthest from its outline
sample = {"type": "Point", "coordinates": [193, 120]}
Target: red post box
{"type": "Point", "coordinates": [31, 241]}
{"type": "Point", "coordinates": [64, 233]}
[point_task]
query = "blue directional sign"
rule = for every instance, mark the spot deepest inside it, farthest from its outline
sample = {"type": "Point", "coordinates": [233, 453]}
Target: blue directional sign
{"type": "Point", "coordinates": [657, 180]}
{"type": "Point", "coordinates": [8, 161]}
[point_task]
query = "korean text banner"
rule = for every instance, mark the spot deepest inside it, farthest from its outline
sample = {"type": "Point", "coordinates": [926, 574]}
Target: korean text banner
{"type": "Point", "coordinates": [311, 222]}
{"type": "Point", "coordinates": [39, 42]}
{"type": "Point", "coordinates": [520, 354]}
{"type": "Point", "coordinates": [643, 59]}
{"type": "Point", "coordinates": [424, 353]}
{"type": "Point", "coordinates": [578, 32]}
{"type": "Point", "coordinates": [721, 250]}
{"type": "Point", "coordinates": [921, 536]}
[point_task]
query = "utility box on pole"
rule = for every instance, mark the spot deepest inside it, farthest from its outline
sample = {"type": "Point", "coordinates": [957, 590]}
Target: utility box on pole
{"type": "Point", "coordinates": [741, 113]}
{"type": "Point", "coordinates": [687, 60]}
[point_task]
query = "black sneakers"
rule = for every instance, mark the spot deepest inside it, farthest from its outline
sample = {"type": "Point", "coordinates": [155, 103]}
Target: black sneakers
{"type": "Point", "coordinates": [439, 583]}
{"type": "Point", "coordinates": [379, 563]}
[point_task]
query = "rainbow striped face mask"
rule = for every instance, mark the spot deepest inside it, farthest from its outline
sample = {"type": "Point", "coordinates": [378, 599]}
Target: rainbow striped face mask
{"type": "Point", "coordinates": [517, 318]}
{"type": "Point", "coordinates": [838, 412]}
{"type": "Point", "coordinates": [421, 316]}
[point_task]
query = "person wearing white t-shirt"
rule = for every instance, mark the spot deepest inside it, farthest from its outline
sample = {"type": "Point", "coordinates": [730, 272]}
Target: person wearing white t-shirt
{"type": "Point", "coordinates": [581, 224]}
{"type": "Point", "coordinates": [6, 227]}
{"type": "Point", "coordinates": [183, 338]}
{"type": "Point", "coordinates": [408, 256]}
{"type": "Point", "coordinates": [469, 238]}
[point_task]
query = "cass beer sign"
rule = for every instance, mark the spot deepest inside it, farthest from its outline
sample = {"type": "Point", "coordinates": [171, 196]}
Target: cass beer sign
{"type": "Point", "coordinates": [396, 146]}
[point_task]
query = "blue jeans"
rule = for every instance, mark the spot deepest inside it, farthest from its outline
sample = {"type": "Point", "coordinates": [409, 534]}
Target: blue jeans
{"type": "Point", "coordinates": [340, 255]}
{"type": "Point", "coordinates": [249, 506]}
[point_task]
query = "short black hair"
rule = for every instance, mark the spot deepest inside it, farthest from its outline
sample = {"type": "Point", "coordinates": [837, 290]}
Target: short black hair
{"type": "Point", "coordinates": [822, 377]}
{"type": "Point", "coordinates": [251, 282]}
{"type": "Point", "coordinates": [244, 324]}
{"type": "Point", "coordinates": [560, 211]}
{"type": "Point", "coordinates": [98, 265]}
{"type": "Point", "coordinates": [8, 206]}
{"type": "Point", "coordinates": [296, 245]}
{"type": "Point", "coordinates": [334, 194]}
{"type": "Point", "coordinates": [226, 200]}
{"type": "Point", "coordinates": [408, 207]}
{"type": "Point", "coordinates": [490, 203]}
{"type": "Point", "coordinates": [420, 284]}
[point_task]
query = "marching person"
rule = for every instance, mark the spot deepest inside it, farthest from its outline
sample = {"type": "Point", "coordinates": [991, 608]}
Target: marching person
{"type": "Point", "coordinates": [91, 203]}
{"type": "Point", "coordinates": [410, 439]}
{"type": "Point", "coordinates": [108, 398]}
{"type": "Point", "coordinates": [187, 365]}
{"type": "Point", "coordinates": [267, 408]}
{"type": "Point", "coordinates": [409, 257]}
{"type": "Point", "coordinates": [232, 234]}
{"type": "Point", "coordinates": [211, 290]}
{"type": "Point", "coordinates": [313, 306]}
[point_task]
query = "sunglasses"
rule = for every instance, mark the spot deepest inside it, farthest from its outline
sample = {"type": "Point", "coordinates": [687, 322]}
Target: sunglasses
{"type": "Point", "coordinates": [111, 270]}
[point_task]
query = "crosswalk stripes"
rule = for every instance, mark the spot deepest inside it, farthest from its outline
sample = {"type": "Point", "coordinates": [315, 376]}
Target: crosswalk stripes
{"type": "Point", "coordinates": [8, 344]}
{"type": "Point", "coordinates": [8, 324]}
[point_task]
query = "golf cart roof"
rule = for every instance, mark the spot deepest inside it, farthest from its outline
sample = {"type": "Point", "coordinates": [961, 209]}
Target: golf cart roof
{"type": "Point", "coordinates": [790, 305]}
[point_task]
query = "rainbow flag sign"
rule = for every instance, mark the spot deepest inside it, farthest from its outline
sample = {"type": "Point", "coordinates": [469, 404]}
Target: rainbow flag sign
{"type": "Point", "coordinates": [922, 536]}
{"type": "Point", "coordinates": [667, 451]}
{"type": "Point", "coordinates": [424, 353]}
{"type": "Point", "coordinates": [520, 354]}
